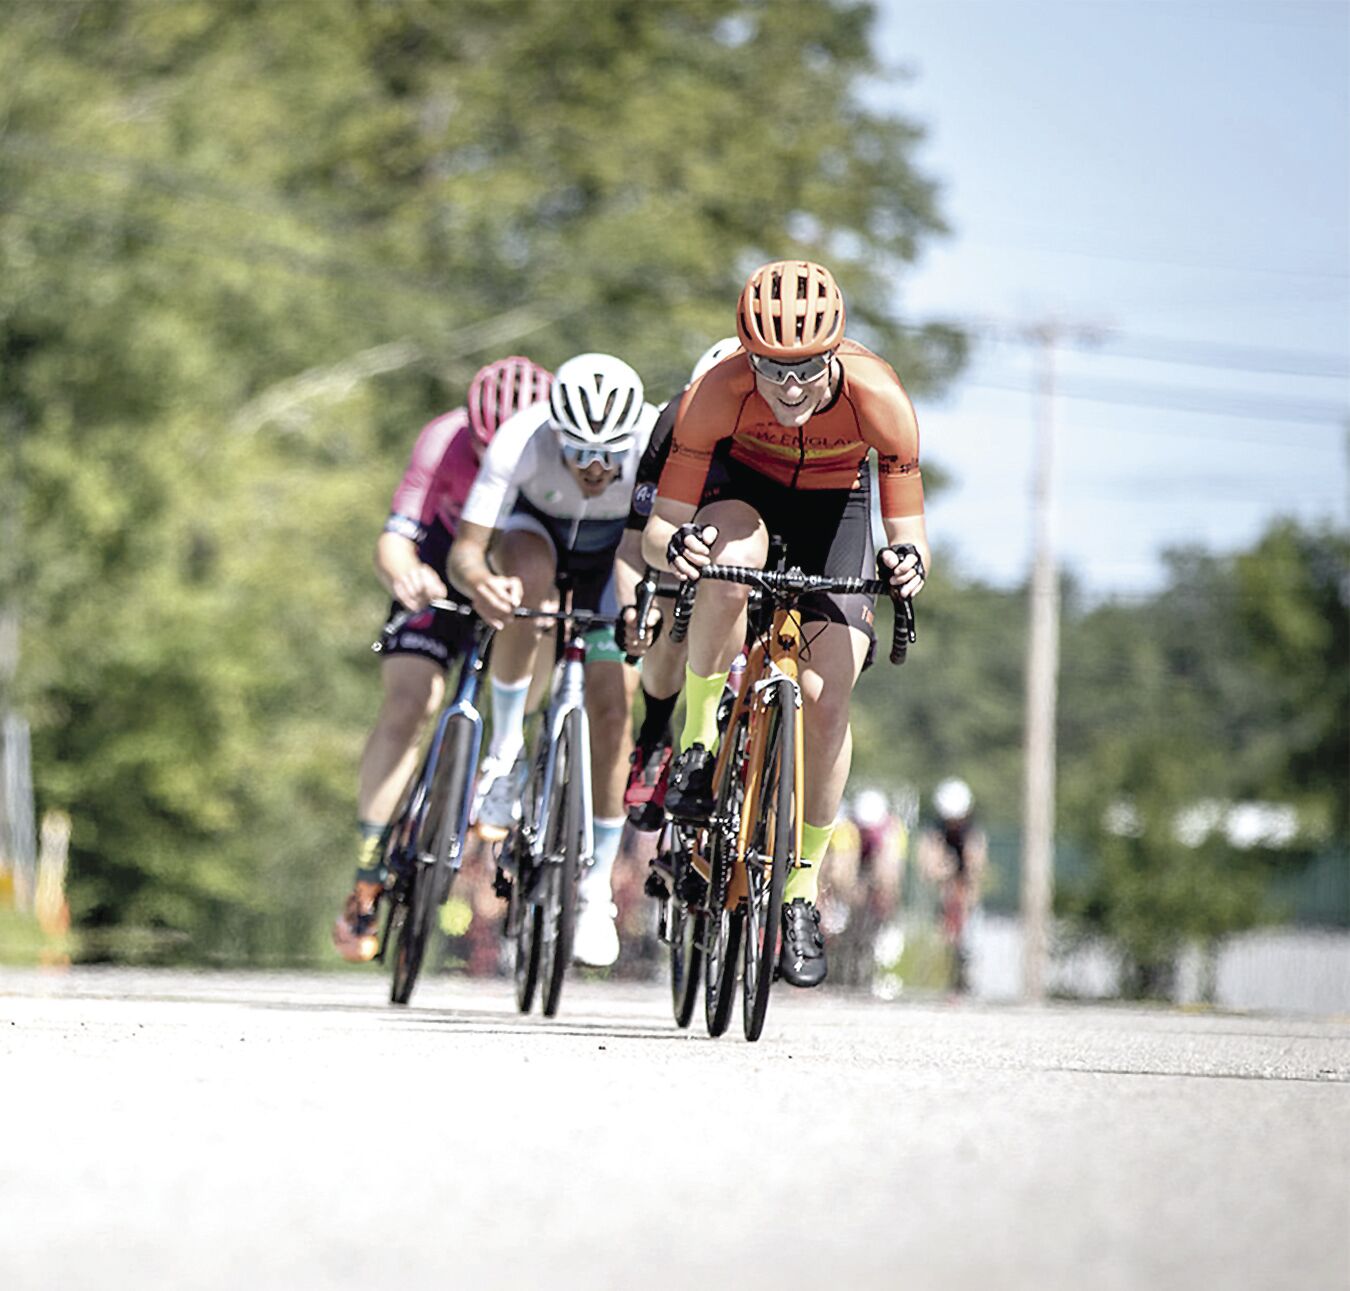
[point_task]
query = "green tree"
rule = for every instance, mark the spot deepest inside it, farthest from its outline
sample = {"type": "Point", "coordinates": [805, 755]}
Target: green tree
{"type": "Point", "coordinates": [246, 250]}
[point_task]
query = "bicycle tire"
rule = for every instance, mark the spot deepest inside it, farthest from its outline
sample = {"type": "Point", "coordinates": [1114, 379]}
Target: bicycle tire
{"type": "Point", "coordinates": [687, 931]}
{"type": "Point", "coordinates": [566, 822]}
{"type": "Point", "coordinates": [411, 941]}
{"type": "Point", "coordinates": [771, 834]}
{"type": "Point", "coordinates": [430, 880]}
{"type": "Point", "coordinates": [524, 914]}
{"type": "Point", "coordinates": [457, 762]}
{"type": "Point", "coordinates": [723, 930]}
{"type": "Point", "coordinates": [529, 945]}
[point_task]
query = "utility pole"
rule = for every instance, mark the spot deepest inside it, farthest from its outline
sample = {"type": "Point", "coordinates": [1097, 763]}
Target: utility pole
{"type": "Point", "coordinates": [1042, 678]}
{"type": "Point", "coordinates": [17, 842]}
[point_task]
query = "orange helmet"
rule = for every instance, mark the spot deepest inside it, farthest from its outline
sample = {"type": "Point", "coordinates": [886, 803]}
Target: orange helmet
{"type": "Point", "coordinates": [790, 310]}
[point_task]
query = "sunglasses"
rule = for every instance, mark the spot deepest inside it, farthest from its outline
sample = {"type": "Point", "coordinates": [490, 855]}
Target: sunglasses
{"type": "Point", "coordinates": [582, 457]}
{"type": "Point", "coordinates": [805, 370]}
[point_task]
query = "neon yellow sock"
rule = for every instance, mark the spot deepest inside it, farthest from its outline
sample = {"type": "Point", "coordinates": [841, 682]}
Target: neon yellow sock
{"type": "Point", "coordinates": [804, 881]}
{"type": "Point", "coordinates": [368, 854]}
{"type": "Point", "coordinates": [701, 697]}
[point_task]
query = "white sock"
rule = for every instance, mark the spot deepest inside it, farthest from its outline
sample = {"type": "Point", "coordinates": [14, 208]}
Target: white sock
{"type": "Point", "coordinates": [508, 718]}
{"type": "Point", "coordinates": [598, 885]}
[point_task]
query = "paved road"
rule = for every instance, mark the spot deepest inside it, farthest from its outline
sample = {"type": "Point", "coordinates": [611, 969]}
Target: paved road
{"type": "Point", "coordinates": [170, 1130]}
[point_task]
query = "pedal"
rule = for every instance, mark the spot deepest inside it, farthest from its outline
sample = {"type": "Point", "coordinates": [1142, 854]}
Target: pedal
{"type": "Point", "coordinates": [655, 886]}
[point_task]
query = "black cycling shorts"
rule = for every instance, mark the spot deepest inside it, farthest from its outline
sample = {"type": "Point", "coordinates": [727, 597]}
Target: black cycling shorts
{"type": "Point", "coordinates": [825, 531]}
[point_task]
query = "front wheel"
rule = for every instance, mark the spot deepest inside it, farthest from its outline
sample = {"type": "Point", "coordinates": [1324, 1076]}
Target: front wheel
{"type": "Point", "coordinates": [411, 937]}
{"type": "Point", "coordinates": [723, 928]}
{"type": "Point", "coordinates": [529, 942]}
{"type": "Point", "coordinates": [562, 861]}
{"type": "Point", "coordinates": [772, 834]}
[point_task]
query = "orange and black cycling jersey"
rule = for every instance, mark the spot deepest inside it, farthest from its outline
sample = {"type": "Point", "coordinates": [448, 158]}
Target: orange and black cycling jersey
{"type": "Point", "coordinates": [870, 410]}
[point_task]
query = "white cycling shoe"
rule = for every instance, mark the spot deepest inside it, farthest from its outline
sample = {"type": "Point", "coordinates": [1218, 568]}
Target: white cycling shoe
{"type": "Point", "coordinates": [595, 939]}
{"type": "Point", "coordinates": [496, 801]}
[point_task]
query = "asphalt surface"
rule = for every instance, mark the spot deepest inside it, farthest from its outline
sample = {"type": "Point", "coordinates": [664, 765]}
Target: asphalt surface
{"type": "Point", "coordinates": [257, 1131]}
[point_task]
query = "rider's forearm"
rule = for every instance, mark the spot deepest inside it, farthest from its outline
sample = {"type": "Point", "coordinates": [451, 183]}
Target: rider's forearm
{"type": "Point", "coordinates": [667, 516]}
{"type": "Point", "coordinates": [395, 555]}
{"type": "Point", "coordinates": [468, 567]}
{"type": "Point", "coordinates": [628, 567]}
{"type": "Point", "coordinates": [909, 529]}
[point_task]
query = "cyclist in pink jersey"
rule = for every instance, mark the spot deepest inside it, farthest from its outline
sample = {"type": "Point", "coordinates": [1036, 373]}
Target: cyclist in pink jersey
{"type": "Point", "coordinates": [410, 560]}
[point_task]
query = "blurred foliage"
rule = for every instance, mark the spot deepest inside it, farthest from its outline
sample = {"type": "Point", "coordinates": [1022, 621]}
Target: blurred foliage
{"type": "Point", "coordinates": [246, 250]}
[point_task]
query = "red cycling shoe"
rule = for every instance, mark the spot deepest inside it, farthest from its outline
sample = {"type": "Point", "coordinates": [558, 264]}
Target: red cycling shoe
{"type": "Point", "coordinates": [645, 796]}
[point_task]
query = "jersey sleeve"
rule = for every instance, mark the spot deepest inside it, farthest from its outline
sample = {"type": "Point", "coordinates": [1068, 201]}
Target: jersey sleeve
{"type": "Point", "coordinates": [650, 467]}
{"type": "Point", "coordinates": [708, 414]}
{"type": "Point", "coordinates": [505, 464]}
{"type": "Point", "coordinates": [889, 425]}
{"type": "Point", "coordinates": [414, 502]}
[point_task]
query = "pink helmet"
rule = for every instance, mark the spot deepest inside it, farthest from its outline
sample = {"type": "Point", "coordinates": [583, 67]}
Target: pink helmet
{"type": "Point", "coordinates": [503, 388]}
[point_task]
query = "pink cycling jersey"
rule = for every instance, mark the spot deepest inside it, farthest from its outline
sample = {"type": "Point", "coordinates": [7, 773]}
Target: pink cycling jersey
{"type": "Point", "coordinates": [440, 474]}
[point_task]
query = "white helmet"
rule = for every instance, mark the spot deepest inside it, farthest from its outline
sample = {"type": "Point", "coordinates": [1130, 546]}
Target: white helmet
{"type": "Point", "coordinates": [713, 355]}
{"type": "Point", "coordinates": [952, 799]}
{"type": "Point", "coordinates": [596, 403]}
{"type": "Point", "coordinates": [870, 808]}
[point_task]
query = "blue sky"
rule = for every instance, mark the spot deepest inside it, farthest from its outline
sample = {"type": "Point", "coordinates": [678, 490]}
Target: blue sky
{"type": "Point", "coordinates": [1172, 177]}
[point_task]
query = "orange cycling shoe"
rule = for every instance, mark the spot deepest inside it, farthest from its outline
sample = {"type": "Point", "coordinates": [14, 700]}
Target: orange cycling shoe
{"type": "Point", "coordinates": [354, 932]}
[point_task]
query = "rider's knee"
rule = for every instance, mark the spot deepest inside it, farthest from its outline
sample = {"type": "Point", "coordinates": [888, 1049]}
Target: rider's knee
{"type": "Point", "coordinates": [607, 707]}
{"type": "Point", "coordinates": [406, 709]}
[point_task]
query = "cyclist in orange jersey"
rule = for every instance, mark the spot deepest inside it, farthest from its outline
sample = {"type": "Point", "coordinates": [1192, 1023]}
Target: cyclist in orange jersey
{"type": "Point", "coordinates": [791, 421]}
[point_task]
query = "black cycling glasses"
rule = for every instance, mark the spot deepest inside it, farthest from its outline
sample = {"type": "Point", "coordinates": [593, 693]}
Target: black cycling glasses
{"type": "Point", "coordinates": [802, 371]}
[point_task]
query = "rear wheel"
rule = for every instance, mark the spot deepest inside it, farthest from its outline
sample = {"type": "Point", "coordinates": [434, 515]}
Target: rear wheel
{"type": "Point", "coordinates": [563, 861]}
{"type": "Point", "coordinates": [772, 833]}
{"type": "Point", "coordinates": [687, 931]}
{"type": "Point", "coordinates": [723, 929]}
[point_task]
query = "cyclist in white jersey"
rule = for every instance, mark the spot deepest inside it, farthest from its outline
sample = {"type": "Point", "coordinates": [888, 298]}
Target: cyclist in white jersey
{"type": "Point", "coordinates": [552, 497]}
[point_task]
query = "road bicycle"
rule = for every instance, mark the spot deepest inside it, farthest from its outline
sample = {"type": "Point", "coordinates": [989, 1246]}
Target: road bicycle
{"type": "Point", "coordinates": [422, 846]}
{"type": "Point", "coordinates": [721, 911]}
{"type": "Point", "coordinates": [544, 857]}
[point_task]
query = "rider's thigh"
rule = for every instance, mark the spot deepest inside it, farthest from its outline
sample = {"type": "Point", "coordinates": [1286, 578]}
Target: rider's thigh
{"type": "Point", "coordinates": [831, 663]}
{"type": "Point", "coordinates": [742, 538]}
{"type": "Point", "coordinates": [413, 689]}
{"type": "Point", "coordinates": [528, 556]}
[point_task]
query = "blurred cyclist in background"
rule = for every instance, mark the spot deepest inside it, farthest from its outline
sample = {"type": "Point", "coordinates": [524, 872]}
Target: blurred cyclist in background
{"type": "Point", "coordinates": [954, 854]}
{"type": "Point", "coordinates": [551, 499]}
{"type": "Point", "coordinates": [861, 892]}
{"type": "Point", "coordinates": [410, 560]}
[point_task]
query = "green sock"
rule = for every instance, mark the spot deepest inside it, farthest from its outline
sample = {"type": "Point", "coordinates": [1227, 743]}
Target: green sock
{"type": "Point", "coordinates": [368, 868]}
{"type": "Point", "coordinates": [804, 881]}
{"type": "Point", "coordinates": [701, 697]}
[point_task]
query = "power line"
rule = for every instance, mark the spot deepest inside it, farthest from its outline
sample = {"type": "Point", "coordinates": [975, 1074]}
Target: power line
{"type": "Point", "coordinates": [1215, 354]}
{"type": "Point", "coordinates": [1164, 349]}
{"type": "Point", "coordinates": [1220, 403]}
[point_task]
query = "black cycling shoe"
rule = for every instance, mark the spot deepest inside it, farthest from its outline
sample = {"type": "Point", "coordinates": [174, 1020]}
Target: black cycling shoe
{"type": "Point", "coordinates": [801, 959]}
{"type": "Point", "coordinates": [689, 796]}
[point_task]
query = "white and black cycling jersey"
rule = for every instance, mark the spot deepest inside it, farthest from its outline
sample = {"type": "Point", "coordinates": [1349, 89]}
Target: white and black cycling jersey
{"type": "Point", "coordinates": [523, 469]}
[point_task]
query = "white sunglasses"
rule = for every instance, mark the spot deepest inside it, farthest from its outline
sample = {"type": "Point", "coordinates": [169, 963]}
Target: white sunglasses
{"type": "Point", "coordinates": [581, 456]}
{"type": "Point", "coordinates": [803, 370]}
